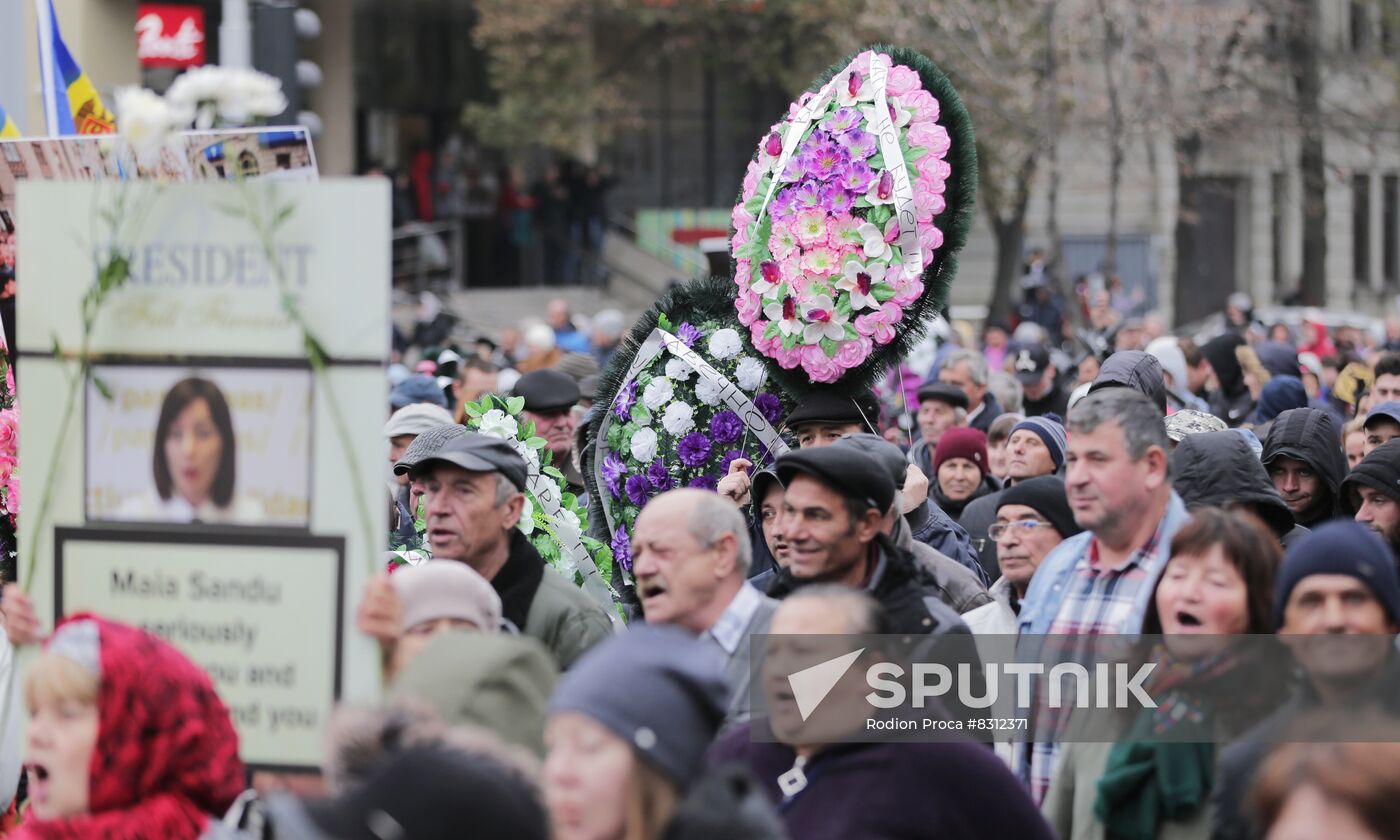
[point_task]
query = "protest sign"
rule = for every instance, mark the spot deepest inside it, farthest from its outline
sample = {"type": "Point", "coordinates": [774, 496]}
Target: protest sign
{"type": "Point", "coordinates": [216, 469]}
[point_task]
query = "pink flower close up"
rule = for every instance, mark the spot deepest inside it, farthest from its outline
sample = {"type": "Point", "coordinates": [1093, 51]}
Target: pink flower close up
{"type": "Point", "coordinates": [901, 81]}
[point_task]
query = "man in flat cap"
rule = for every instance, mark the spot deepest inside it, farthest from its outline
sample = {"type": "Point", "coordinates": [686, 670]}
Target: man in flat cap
{"type": "Point", "coordinates": [475, 495]}
{"type": "Point", "coordinates": [824, 416]}
{"type": "Point", "coordinates": [941, 407]}
{"type": "Point", "coordinates": [550, 396]}
{"type": "Point", "coordinates": [833, 518]}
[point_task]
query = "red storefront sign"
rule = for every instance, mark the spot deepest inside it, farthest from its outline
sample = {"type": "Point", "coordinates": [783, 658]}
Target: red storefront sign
{"type": "Point", "coordinates": [169, 36]}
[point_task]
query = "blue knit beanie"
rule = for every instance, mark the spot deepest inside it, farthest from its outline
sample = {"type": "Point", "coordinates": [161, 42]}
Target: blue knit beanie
{"type": "Point", "coordinates": [1051, 432]}
{"type": "Point", "coordinates": [1340, 547]}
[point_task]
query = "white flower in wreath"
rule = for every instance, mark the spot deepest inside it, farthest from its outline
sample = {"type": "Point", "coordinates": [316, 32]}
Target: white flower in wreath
{"type": "Point", "coordinates": [751, 373]}
{"type": "Point", "coordinates": [643, 445]}
{"type": "Point", "coordinates": [708, 391]}
{"type": "Point", "coordinates": [860, 281]}
{"type": "Point", "coordinates": [527, 516]}
{"type": "Point", "coordinates": [659, 392]}
{"type": "Point", "coordinates": [569, 531]}
{"type": "Point", "coordinates": [679, 370]}
{"type": "Point", "coordinates": [498, 424]}
{"type": "Point", "coordinates": [725, 344]}
{"type": "Point", "coordinates": [679, 418]}
{"type": "Point", "coordinates": [823, 321]}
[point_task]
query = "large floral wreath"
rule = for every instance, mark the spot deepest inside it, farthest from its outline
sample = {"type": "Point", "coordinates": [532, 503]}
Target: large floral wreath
{"type": "Point", "coordinates": [685, 401]}
{"type": "Point", "coordinates": [553, 520]}
{"type": "Point", "coordinates": [849, 215]}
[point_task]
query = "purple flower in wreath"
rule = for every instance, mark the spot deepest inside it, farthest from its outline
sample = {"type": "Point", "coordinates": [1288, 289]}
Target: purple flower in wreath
{"type": "Point", "coordinates": [638, 490]}
{"type": "Point", "coordinates": [729, 457]}
{"type": "Point", "coordinates": [660, 477]}
{"type": "Point", "coordinates": [704, 482]}
{"type": "Point", "coordinates": [859, 144]}
{"type": "Point", "coordinates": [771, 406]}
{"type": "Point", "coordinates": [694, 449]}
{"type": "Point", "coordinates": [688, 334]}
{"type": "Point", "coordinates": [614, 468]}
{"type": "Point", "coordinates": [725, 427]}
{"type": "Point", "coordinates": [626, 398]}
{"type": "Point", "coordinates": [622, 548]}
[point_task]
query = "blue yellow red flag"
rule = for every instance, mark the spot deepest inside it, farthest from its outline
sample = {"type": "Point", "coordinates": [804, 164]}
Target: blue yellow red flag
{"type": "Point", "coordinates": [71, 102]}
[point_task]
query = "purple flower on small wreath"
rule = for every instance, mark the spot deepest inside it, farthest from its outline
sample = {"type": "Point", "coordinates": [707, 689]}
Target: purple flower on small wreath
{"type": "Point", "coordinates": [729, 457]}
{"type": "Point", "coordinates": [771, 406]}
{"type": "Point", "coordinates": [626, 398]}
{"type": "Point", "coordinates": [725, 427]}
{"type": "Point", "coordinates": [660, 477]}
{"type": "Point", "coordinates": [694, 449]}
{"type": "Point", "coordinates": [614, 468]}
{"type": "Point", "coordinates": [688, 334]}
{"type": "Point", "coordinates": [638, 489]}
{"type": "Point", "coordinates": [622, 548]}
{"type": "Point", "coordinates": [704, 482]}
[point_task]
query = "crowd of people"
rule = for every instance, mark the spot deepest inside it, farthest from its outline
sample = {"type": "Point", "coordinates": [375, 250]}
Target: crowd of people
{"type": "Point", "coordinates": [1001, 487]}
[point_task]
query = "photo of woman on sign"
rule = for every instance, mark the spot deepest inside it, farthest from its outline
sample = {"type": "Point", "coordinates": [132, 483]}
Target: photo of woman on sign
{"type": "Point", "coordinates": [194, 461]}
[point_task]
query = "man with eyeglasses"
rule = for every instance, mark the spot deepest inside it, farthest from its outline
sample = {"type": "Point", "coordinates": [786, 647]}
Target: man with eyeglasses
{"type": "Point", "coordinates": [1033, 516]}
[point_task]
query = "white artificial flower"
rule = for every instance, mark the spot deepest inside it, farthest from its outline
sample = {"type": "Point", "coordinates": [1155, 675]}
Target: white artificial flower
{"type": "Point", "coordinates": [497, 423]}
{"type": "Point", "coordinates": [644, 445]}
{"type": "Point", "coordinates": [527, 516]}
{"type": "Point", "coordinates": [708, 391]}
{"type": "Point", "coordinates": [229, 94]}
{"type": "Point", "coordinates": [751, 373]}
{"type": "Point", "coordinates": [679, 370]}
{"type": "Point", "coordinates": [571, 519]}
{"type": "Point", "coordinates": [679, 418]}
{"type": "Point", "coordinates": [659, 392]}
{"type": "Point", "coordinates": [725, 344]}
{"type": "Point", "coordinates": [146, 120]}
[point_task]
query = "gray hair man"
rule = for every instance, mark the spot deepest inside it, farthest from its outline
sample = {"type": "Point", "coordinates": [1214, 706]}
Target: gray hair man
{"type": "Point", "coordinates": [1100, 581]}
{"type": "Point", "coordinates": [475, 495]}
{"type": "Point", "coordinates": [691, 554]}
{"type": "Point", "coordinates": [968, 372]}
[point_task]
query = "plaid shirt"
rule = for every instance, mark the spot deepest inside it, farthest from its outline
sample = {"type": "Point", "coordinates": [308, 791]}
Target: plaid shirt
{"type": "Point", "coordinates": [1099, 601]}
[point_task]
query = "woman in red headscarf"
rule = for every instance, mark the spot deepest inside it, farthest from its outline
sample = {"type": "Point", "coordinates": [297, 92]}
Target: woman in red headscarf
{"type": "Point", "coordinates": [127, 739]}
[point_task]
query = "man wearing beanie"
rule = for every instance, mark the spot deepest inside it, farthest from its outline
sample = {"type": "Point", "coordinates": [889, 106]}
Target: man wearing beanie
{"type": "Point", "coordinates": [1036, 447]}
{"type": "Point", "coordinates": [1371, 493]}
{"type": "Point", "coordinates": [835, 507]}
{"type": "Point", "coordinates": [1338, 580]}
{"type": "Point", "coordinates": [1032, 518]}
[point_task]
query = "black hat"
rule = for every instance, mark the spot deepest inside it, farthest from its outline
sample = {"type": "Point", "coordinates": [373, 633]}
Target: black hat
{"type": "Point", "coordinates": [1030, 363]}
{"type": "Point", "coordinates": [759, 485]}
{"type": "Point", "coordinates": [426, 445]}
{"type": "Point", "coordinates": [547, 390]}
{"type": "Point", "coordinates": [1380, 470]}
{"type": "Point", "coordinates": [475, 452]}
{"type": "Point", "coordinates": [943, 392]}
{"type": "Point", "coordinates": [1046, 496]}
{"type": "Point", "coordinates": [846, 469]}
{"type": "Point", "coordinates": [823, 405]}
{"type": "Point", "coordinates": [891, 457]}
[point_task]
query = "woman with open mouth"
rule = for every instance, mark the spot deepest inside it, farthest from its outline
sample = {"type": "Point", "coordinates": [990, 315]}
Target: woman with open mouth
{"type": "Point", "coordinates": [1218, 584]}
{"type": "Point", "coordinates": [127, 738]}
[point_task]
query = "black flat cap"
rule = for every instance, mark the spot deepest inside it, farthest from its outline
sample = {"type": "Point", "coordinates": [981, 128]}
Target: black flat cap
{"type": "Point", "coordinates": [474, 452]}
{"type": "Point", "coordinates": [891, 457]}
{"type": "Point", "coordinates": [547, 390]}
{"type": "Point", "coordinates": [426, 444]}
{"type": "Point", "coordinates": [943, 392]}
{"type": "Point", "coordinates": [827, 406]}
{"type": "Point", "coordinates": [846, 469]}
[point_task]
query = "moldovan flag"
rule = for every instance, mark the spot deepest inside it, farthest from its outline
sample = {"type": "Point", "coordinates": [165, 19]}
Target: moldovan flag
{"type": "Point", "coordinates": [8, 128]}
{"type": "Point", "coordinates": [71, 103]}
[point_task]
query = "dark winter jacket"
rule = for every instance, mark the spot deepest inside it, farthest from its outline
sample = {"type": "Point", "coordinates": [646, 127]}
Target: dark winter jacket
{"type": "Point", "coordinates": [1219, 469]}
{"type": "Point", "coordinates": [1055, 401]}
{"type": "Point", "coordinates": [1232, 403]}
{"type": "Point", "coordinates": [930, 525]}
{"type": "Point", "coordinates": [892, 791]}
{"type": "Point", "coordinates": [1310, 435]}
{"type": "Point", "coordinates": [1137, 370]}
{"type": "Point", "coordinates": [1240, 762]}
{"type": "Point", "coordinates": [956, 585]}
{"type": "Point", "coordinates": [1281, 394]}
{"type": "Point", "coordinates": [912, 605]}
{"type": "Point", "coordinates": [979, 515]}
{"type": "Point", "coordinates": [954, 509]}
{"type": "Point", "coordinates": [991, 410]}
{"type": "Point", "coordinates": [725, 802]}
